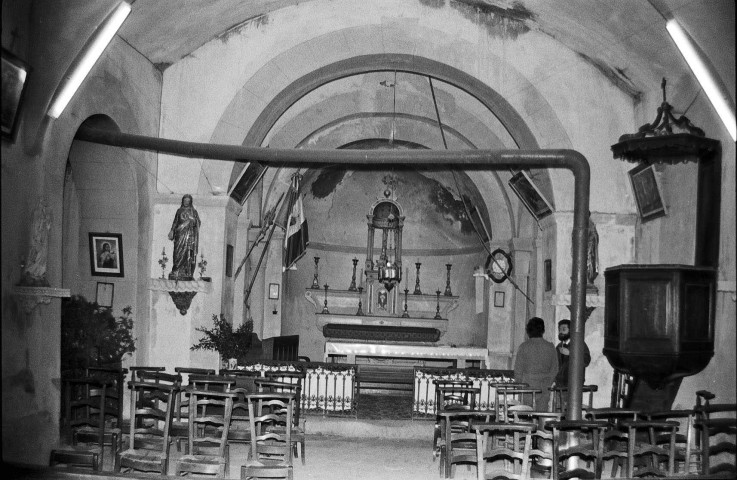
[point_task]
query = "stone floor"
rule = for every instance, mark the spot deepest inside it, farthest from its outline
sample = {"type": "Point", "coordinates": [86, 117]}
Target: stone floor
{"type": "Point", "coordinates": [375, 407]}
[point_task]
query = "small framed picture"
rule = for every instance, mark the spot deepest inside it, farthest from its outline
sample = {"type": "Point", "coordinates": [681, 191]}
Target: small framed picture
{"type": "Point", "coordinates": [499, 299]}
{"type": "Point", "coordinates": [648, 195]}
{"type": "Point", "coordinates": [104, 296]}
{"type": "Point", "coordinates": [273, 291]}
{"type": "Point", "coordinates": [530, 195]}
{"type": "Point", "coordinates": [106, 254]}
{"type": "Point", "coordinates": [14, 76]}
{"type": "Point", "coordinates": [548, 275]}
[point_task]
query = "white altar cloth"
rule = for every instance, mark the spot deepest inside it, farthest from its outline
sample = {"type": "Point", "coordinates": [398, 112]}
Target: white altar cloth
{"type": "Point", "coordinates": [460, 354]}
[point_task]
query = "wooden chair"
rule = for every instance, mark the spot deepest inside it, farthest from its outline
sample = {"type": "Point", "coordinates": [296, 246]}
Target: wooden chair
{"type": "Point", "coordinates": [687, 455]}
{"type": "Point", "coordinates": [209, 421]}
{"type": "Point", "coordinates": [295, 387]}
{"type": "Point", "coordinates": [616, 437]}
{"type": "Point", "coordinates": [716, 427]}
{"type": "Point", "coordinates": [541, 451]}
{"type": "Point", "coordinates": [85, 402]}
{"type": "Point", "coordinates": [654, 459]}
{"type": "Point", "coordinates": [114, 399]}
{"type": "Point", "coordinates": [270, 455]}
{"type": "Point", "coordinates": [455, 394]}
{"type": "Point", "coordinates": [452, 395]}
{"type": "Point", "coordinates": [514, 450]}
{"type": "Point", "coordinates": [577, 442]}
{"type": "Point", "coordinates": [458, 444]}
{"type": "Point", "coordinates": [179, 430]}
{"type": "Point", "coordinates": [558, 396]}
{"type": "Point", "coordinates": [514, 397]}
{"type": "Point", "coordinates": [151, 412]}
{"type": "Point", "coordinates": [244, 378]}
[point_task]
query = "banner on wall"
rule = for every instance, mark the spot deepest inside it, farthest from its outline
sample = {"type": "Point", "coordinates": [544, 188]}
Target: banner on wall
{"type": "Point", "coordinates": [297, 237]}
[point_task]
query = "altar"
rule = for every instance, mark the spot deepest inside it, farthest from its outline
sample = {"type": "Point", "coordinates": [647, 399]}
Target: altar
{"type": "Point", "coordinates": [459, 354]}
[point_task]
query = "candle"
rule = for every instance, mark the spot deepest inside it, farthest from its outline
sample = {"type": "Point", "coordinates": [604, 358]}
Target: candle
{"type": "Point", "coordinates": [361, 279]}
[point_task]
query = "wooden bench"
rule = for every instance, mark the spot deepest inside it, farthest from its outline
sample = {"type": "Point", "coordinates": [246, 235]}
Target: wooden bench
{"type": "Point", "coordinates": [394, 378]}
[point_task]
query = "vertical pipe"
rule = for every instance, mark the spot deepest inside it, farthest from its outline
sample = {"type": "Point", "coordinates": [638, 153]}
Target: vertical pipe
{"type": "Point", "coordinates": [578, 286]}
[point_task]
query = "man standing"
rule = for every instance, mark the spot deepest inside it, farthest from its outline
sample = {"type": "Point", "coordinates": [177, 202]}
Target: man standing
{"type": "Point", "coordinates": [564, 353]}
{"type": "Point", "coordinates": [536, 363]}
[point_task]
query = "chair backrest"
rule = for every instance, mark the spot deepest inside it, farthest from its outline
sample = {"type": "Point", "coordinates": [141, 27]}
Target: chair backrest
{"type": "Point", "coordinates": [456, 394]}
{"type": "Point", "coordinates": [297, 379]}
{"type": "Point", "coordinates": [244, 378]}
{"type": "Point", "coordinates": [716, 426]}
{"type": "Point", "coordinates": [542, 438]}
{"type": "Point", "coordinates": [507, 441]}
{"type": "Point", "coordinates": [659, 459]}
{"type": "Point", "coordinates": [151, 411]}
{"type": "Point", "coordinates": [208, 430]}
{"type": "Point", "coordinates": [85, 408]}
{"type": "Point", "coordinates": [579, 439]}
{"type": "Point", "coordinates": [507, 399]}
{"type": "Point", "coordinates": [685, 439]}
{"type": "Point", "coordinates": [558, 397]}
{"type": "Point", "coordinates": [196, 371]}
{"type": "Point", "coordinates": [142, 368]}
{"type": "Point", "coordinates": [114, 401]}
{"type": "Point", "coordinates": [271, 409]}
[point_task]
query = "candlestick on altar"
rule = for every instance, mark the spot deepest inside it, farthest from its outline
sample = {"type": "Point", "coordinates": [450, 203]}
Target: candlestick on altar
{"type": "Point", "coordinates": [405, 314]}
{"type": "Point", "coordinates": [417, 280]}
{"type": "Point", "coordinates": [447, 285]}
{"type": "Point", "coordinates": [359, 312]}
{"type": "Point", "coordinates": [437, 310]}
{"type": "Point", "coordinates": [325, 308]}
{"type": "Point", "coordinates": [352, 288]}
{"type": "Point", "coordinates": [315, 281]}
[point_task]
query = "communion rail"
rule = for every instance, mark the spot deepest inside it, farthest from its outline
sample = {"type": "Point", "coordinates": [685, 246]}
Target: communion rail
{"type": "Point", "coordinates": [329, 389]}
{"type": "Point", "coordinates": [424, 406]}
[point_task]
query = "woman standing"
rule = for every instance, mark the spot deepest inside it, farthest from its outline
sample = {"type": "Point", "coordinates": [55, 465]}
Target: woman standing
{"type": "Point", "coordinates": [185, 231]}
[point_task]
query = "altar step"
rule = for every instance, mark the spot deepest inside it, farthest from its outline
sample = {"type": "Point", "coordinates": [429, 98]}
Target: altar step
{"type": "Point", "coordinates": [370, 428]}
{"type": "Point", "coordinates": [384, 379]}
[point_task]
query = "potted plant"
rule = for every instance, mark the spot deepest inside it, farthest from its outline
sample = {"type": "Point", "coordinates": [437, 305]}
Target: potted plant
{"type": "Point", "coordinates": [92, 336]}
{"type": "Point", "coordinates": [231, 344]}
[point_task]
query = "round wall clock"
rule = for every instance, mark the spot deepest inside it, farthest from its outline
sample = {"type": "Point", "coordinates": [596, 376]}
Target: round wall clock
{"type": "Point", "coordinates": [498, 265]}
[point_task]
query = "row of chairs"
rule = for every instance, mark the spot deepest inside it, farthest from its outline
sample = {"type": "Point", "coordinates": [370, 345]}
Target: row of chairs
{"type": "Point", "coordinates": [515, 440]}
{"type": "Point", "coordinates": [212, 411]}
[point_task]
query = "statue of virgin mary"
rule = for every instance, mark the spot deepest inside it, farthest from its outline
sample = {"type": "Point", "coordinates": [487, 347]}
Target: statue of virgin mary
{"type": "Point", "coordinates": [185, 231]}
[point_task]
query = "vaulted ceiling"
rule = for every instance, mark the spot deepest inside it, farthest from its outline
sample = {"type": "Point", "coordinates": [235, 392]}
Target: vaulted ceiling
{"type": "Point", "coordinates": [626, 40]}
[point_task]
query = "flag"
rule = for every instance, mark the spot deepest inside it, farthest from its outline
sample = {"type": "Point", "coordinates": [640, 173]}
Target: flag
{"type": "Point", "coordinates": [297, 237]}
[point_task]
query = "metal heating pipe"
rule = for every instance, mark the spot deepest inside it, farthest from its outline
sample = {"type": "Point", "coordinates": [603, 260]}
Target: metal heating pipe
{"type": "Point", "coordinates": [465, 159]}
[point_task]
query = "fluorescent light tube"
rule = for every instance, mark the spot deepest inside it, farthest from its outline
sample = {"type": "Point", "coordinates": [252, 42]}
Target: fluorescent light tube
{"type": "Point", "coordinates": [87, 57]}
{"type": "Point", "coordinates": [703, 75]}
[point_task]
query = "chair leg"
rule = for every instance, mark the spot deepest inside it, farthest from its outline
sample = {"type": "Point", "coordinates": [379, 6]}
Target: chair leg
{"type": "Point", "coordinates": [302, 447]}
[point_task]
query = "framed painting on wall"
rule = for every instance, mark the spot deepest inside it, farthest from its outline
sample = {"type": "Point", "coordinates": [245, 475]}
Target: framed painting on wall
{"type": "Point", "coordinates": [648, 195]}
{"type": "Point", "coordinates": [530, 195]}
{"type": "Point", "coordinates": [106, 254]}
{"type": "Point", "coordinates": [14, 75]}
{"type": "Point", "coordinates": [499, 299]}
{"type": "Point", "coordinates": [104, 297]}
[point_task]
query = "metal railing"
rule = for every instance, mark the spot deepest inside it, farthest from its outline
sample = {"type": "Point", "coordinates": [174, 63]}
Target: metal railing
{"type": "Point", "coordinates": [329, 389]}
{"type": "Point", "coordinates": [424, 406]}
